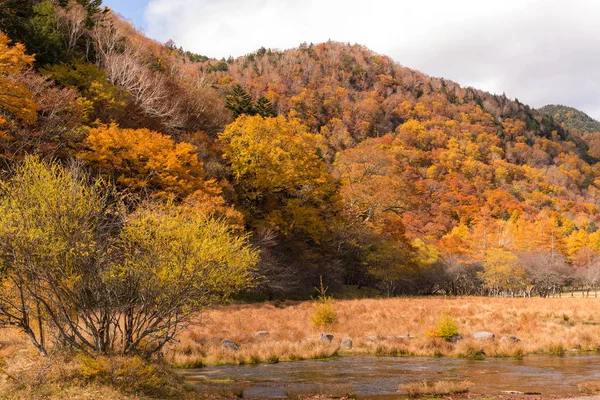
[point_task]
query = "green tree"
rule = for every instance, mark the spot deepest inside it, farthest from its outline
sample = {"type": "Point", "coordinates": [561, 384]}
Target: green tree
{"type": "Point", "coordinates": [44, 37]}
{"type": "Point", "coordinates": [264, 108]}
{"type": "Point", "coordinates": [100, 100]}
{"type": "Point", "coordinates": [239, 102]}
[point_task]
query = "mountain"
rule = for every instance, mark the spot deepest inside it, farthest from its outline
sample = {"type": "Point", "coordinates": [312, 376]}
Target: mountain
{"type": "Point", "coordinates": [339, 162]}
{"type": "Point", "coordinates": [571, 118]}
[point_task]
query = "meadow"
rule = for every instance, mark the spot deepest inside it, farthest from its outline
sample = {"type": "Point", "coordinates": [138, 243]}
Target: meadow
{"type": "Point", "coordinates": [555, 326]}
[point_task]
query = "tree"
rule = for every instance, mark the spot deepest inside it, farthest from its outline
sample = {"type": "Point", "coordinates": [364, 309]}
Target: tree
{"type": "Point", "coordinates": [100, 100]}
{"type": "Point", "coordinates": [77, 270]}
{"type": "Point", "coordinates": [177, 262]}
{"type": "Point", "coordinates": [45, 39]}
{"type": "Point", "coordinates": [264, 108]}
{"type": "Point", "coordinates": [56, 235]}
{"type": "Point", "coordinates": [143, 160]}
{"type": "Point", "coordinates": [502, 272]}
{"type": "Point", "coordinates": [15, 97]}
{"type": "Point", "coordinates": [282, 181]}
{"type": "Point", "coordinates": [239, 102]}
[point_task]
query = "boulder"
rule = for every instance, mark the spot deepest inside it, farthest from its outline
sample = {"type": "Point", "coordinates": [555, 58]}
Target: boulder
{"type": "Point", "coordinates": [372, 338]}
{"type": "Point", "coordinates": [512, 339]}
{"type": "Point", "coordinates": [454, 339]}
{"type": "Point", "coordinates": [346, 343]}
{"type": "Point", "coordinates": [229, 344]}
{"type": "Point", "coordinates": [483, 335]}
{"type": "Point", "coordinates": [262, 333]}
{"type": "Point", "coordinates": [326, 337]}
{"type": "Point", "coordinates": [399, 337]}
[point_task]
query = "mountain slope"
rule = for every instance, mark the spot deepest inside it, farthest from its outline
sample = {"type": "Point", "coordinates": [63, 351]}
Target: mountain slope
{"type": "Point", "coordinates": [372, 173]}
{"type": "Point", "coordinates": [571, 118]}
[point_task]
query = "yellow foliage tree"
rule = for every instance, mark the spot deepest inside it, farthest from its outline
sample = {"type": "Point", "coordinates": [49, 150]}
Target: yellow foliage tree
{"type": "Point", "coordinates": [502, 271]}
{"type": "Point", "coordinates": [279, 173]}
{"type": "Point", "coordinates": [143, 160]}
{"type": "Point", "coordinates": [14, 96]}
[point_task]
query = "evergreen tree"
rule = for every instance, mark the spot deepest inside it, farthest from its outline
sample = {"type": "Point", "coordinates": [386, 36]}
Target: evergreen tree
{"type": "Point", "coordinates": [45, 39]}
{"type": "Point", "coordinates": [264, 108]}
{"type": "Point", "coordinates": [240, 102]}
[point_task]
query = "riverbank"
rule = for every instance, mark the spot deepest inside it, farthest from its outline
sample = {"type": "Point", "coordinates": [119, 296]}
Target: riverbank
{"type": "Point", "coordinates": [283, 331]}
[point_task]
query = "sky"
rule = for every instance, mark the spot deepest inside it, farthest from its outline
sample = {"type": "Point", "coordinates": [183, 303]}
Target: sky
{"type": "Point", "coordinates": [539, 51]}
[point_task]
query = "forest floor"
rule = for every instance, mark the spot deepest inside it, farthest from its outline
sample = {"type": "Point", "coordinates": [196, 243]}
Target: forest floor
{"type": "Point", "coordinates": [555, 326]}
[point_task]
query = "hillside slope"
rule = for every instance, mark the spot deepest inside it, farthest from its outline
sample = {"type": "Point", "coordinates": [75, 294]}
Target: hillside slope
{"type": "Point", "coordinates": [572, 118]}
{"type": "Point", "coordinates": [338, 161]}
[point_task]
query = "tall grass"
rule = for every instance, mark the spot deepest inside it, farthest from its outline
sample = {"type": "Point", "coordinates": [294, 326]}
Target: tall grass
{"type": "Point", "coordinates": [554, 326]}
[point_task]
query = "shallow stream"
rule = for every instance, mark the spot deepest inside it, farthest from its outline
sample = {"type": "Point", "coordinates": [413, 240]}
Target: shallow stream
{"type": "Point", "coordinates": [379, 377]}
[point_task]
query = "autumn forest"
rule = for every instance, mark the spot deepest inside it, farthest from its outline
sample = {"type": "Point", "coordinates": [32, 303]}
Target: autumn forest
{"type": "Point", "coordinates": [327, 160]}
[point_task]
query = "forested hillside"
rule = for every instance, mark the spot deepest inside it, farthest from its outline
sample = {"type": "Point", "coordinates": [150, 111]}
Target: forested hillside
{"type": "Point", "coordinates": [337, 161]}
{"type": "Point", "coordinates": [572, 118]}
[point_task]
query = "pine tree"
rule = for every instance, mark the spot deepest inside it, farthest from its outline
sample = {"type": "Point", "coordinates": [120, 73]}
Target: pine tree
{"type": "Point", "coordinates": [264, 108]}
{"type": "Point", "coordinates": [240, 102]}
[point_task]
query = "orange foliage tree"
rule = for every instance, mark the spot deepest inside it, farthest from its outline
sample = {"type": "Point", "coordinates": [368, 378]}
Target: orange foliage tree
{"type": "Point", "coordinates": [15, 97]}
{"type": "Point", "coordinates": [146, 161]}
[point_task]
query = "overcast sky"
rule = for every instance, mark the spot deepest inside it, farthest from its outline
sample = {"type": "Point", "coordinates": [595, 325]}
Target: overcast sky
{"type": "Point", "coordinates": [539, 51]}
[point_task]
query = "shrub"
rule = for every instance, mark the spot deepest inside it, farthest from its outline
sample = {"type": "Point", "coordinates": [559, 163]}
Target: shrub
{"type": "Point", "coordinates": [446, 328]}
{"type": "Point", "coordinates": [128, 374]}
{"type": "Point", "coordinates": [78, 270]}
{"type": "Point", "coordinates": [324, 312]}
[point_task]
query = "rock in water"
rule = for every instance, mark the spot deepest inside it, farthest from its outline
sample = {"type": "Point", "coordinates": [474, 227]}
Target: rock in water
{"type": "Point", "coordinates": [483, 335]}
{"type": "Point", "coordinates": [346, 343]}
{"type": "Point", "coordinates": [326, 337]}
{"type": "Point", "coordinates": [229, 344]}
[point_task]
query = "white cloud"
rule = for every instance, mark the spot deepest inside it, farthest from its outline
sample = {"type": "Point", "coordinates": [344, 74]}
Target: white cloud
{"type": "Point", "coordinates": [540, 51]}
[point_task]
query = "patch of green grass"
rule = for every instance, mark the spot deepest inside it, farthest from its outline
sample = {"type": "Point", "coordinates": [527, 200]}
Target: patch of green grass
{"type": "Point", "coordinates": [220, 381]}
{"type": "Point", "coordinates": [557, 350]}
{"type": "Point", "coordinates": [189, 364]}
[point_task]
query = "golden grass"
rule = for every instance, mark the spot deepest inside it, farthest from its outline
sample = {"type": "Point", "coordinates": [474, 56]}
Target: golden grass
{"type": "Point", "coordinates": [24, 374]}
{"type": "Point", "coordinates": [589, 387]}
{"type": "Point", "coordinates": [545, 326]}
{"type": "Point", "coordinates": [439, 388]}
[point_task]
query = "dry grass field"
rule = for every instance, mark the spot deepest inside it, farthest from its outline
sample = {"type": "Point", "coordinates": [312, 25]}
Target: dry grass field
{"type": "Point", "coordinates": [552, 326]}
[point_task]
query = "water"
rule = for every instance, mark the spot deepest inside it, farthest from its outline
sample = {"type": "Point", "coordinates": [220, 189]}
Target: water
{"type": "Point", "coordinates": [379, 377]}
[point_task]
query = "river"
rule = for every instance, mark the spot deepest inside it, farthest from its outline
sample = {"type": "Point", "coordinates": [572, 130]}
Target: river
{"type": "Point", "coordinates": [379, 377]}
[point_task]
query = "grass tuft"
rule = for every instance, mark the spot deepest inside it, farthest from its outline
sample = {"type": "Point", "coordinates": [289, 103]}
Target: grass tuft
{"type": "Point", "coordinates": [589, 387]}
{"type": "Point", "coordinates": [439, 388]}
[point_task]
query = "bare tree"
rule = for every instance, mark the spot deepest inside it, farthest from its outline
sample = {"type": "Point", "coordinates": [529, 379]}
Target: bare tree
{"type": "Point", "coordinates": [73, 19]}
